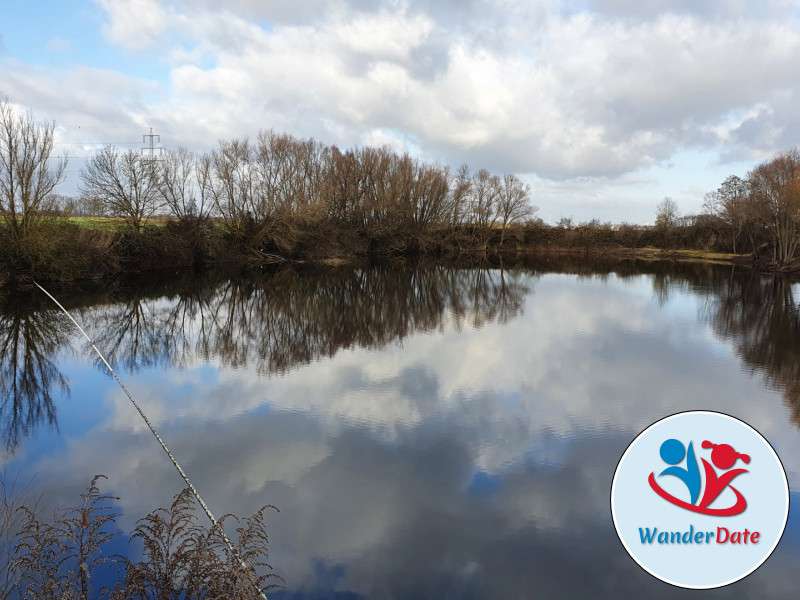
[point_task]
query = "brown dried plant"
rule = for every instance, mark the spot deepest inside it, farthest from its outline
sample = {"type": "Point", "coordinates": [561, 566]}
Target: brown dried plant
{"type": "Point", "coordinates": [58, 558]}
{"type": "Point", "coordinates": [183, 560]}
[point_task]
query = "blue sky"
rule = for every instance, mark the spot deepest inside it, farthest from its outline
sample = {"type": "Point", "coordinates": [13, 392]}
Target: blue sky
{"type": "Point", "coordinates": [604, 106]}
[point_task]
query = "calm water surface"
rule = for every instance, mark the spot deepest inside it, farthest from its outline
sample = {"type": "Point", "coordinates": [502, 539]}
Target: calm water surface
{"type": "Point", "coordinates": [427, 432]}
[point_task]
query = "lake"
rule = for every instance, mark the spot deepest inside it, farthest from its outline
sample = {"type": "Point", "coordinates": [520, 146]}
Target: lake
{"type": "Point", "coordinates": [426, 431]}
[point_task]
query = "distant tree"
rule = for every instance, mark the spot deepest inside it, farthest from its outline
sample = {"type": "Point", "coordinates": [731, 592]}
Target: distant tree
{"type": "Point", "coordinates": [460, 188]}
{"type": "Point", "coordinates": [425, 201]}
{"type": "Point", "coordinates": [232, 185]}
{"type": "Point", "coordinates": [287, 174]}
{"type": "Point", "coordinates": [62, 205]}
{"type": "Point", "coordinates": [731, 203]}
{"type": "Point", "coordinates": [124, 185]}
{"type": "Point", "coordinates": [27, 178]}
{"type": "Point", "coordinates": [775, 192]}
{"type": "Point", "coordinates": [565, 223]}
{"type": "Point", "coordinates": [378, 208]}
{"type": "Point", "coordinates": [667, 213]}
{"type": "Point", "coordinates": [341, 186]}
{"type": "Point", "coordinates": [485, 188]}
{"type": "Point", "coordinates": [203, 175]}
{"type": "Point", "coordinates": [482, 205]}
{"type": "Point", "coordinates": [513, 203]}
{"type": "Point", "coordinates": [181, 177]}
{"type": "Point", "coordinates": [274, 174]}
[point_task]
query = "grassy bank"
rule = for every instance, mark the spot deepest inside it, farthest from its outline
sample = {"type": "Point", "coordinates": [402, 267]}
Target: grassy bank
{"type": "Point", "coordinates": [641, 254]}
{"type": "Point", "coordinates": [707, 256]}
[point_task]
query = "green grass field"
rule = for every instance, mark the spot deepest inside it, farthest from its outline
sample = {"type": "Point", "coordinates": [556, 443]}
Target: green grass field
{"type": "Point", "coordinates": [99, 223]}
{"type": "Point", "coordinates": [110, 223]}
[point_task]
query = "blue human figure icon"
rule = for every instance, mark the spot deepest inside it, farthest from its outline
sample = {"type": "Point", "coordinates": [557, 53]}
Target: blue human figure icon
{"type": "Point", "coordinates": [672, 452]}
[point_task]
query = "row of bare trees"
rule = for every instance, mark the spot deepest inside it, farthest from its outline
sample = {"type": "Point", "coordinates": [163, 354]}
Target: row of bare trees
{"type": "Point", "coordinates": [278, 178]}
{"type": "Point", "coordinates": [762, 212]}
{"type": "Point", "coordinates": [256, 185]}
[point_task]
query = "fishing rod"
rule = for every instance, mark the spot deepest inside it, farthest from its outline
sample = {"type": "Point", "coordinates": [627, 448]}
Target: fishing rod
{"type": "Point", "coordinates": [164, 447]}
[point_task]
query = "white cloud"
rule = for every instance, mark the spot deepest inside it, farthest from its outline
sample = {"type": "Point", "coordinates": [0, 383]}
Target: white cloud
{"type": "Point", "coordinates": [706, 8]}
{"type": "Point", "coordinates": [577, 95]}
{"type": "Point", "coordinates": [536, 88]}
{"type": "Point", "coordinates": [134, 24]}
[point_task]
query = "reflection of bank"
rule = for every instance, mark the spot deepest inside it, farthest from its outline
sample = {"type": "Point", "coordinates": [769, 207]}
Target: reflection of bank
{"type": "Point", "coordinates": [276, 320]}
{"type": "Point", "coordinates": [30, 380]}
{"type": "Point", "coordinates": [760, 315]}
{"type": "Point", "coordinates": [280, 319]}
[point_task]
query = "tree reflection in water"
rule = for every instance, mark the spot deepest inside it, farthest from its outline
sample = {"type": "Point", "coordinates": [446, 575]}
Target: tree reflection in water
{"type": "Point", "coordinates": [30, 338]}
{"type": "Point", "coordinates": [761, 317]}
{"type": "Point", "coordinates": [281, 319]}
{"type": "Point", "coordinates": [274, 321]}
{"type": "Point", "coordinates": [290, 317]}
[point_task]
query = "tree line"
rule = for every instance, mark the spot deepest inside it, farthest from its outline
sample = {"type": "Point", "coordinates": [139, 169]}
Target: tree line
{"type": "Point", "coordinates": [260, 189]}
{"type": "Point", "coordinates": [277, 197]}
{"type": "Point", "coordinates": [257, 188]}
{"type": "Point", "coordinates": [761, 213]}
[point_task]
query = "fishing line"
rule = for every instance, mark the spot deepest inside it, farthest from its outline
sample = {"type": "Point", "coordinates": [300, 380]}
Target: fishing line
{"type": "Point", "coordinates": [158, 437]}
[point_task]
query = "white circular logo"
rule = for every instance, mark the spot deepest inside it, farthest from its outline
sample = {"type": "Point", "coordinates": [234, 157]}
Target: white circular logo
{"type": "Point", "coordinates": [700, 499]}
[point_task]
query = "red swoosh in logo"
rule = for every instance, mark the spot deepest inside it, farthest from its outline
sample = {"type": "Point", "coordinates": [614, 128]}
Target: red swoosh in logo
{"type": "Point", "coordinates": [737, 508]}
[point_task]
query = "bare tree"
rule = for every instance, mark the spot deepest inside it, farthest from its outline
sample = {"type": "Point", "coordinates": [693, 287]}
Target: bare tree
{"type": "Point", "coordinates": [203, 175]}
{"type": "Point", "coordinates": [27, 179]}
{"type": "Point", "coordinates": [483, 203]}
{"type": "Point", "coordinates": [460, 188]}
{"type": "Point", "coordinates": [730, 202]}
{"type": "Point", "coordinates": [775, 188]}
{"type": "Point", "coordinates": [179, 184]}
{"type": "Point", "coordinates": [123, 185]}
{"type": "Point", "coordinates": [667, 213]}
{"type": "Point", "coordinates": [423, 191]}
{"type": "Point", "coordinates": [342, 188]}
{"type": "Point", "coordinates": [273, 172]}
{"type": "Point", "coordinates": [378, 209]}
{"type": "Point", "coordinates": [287, 175]}
{"type": "Point", "coordinates": [513, 203]}
{"type": "Point", "coordinates": [232, 184]}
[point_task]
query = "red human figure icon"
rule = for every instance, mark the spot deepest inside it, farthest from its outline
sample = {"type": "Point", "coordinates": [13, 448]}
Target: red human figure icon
{"type": "Point", "coordinates": [724, 457]}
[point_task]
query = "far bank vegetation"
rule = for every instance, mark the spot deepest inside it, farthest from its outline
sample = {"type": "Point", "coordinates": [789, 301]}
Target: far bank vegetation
{"type": "Point", "coordinates": [276, 197]}
{"type": "Point", "coordinates": [279, 194]}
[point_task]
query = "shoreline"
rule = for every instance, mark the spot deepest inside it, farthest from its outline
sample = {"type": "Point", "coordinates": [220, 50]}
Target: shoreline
{"type": "Point", "coordinates": [67, 252]}
{"type": "Point", "coordinates": [494, 258]}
